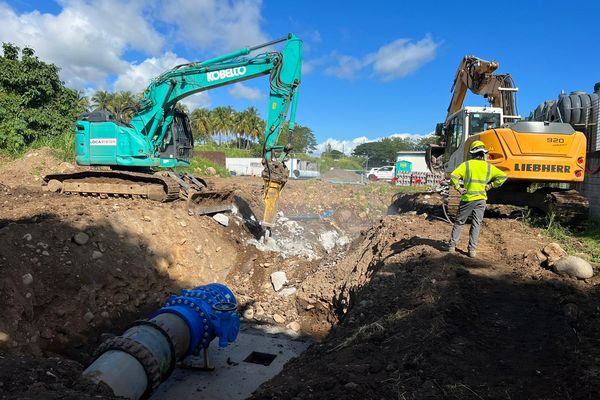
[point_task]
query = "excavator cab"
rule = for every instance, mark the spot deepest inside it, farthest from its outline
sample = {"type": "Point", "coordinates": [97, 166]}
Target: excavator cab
{"type": "Point", "coordinates": [178, 142]}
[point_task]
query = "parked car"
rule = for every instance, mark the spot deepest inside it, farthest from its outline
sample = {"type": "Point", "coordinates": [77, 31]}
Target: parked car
{"type": "Point", "coordinates": [385, 173]}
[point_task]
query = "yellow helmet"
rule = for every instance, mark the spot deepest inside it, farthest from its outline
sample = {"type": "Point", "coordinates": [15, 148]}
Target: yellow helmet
{"type": "Point", "coordinates": [477, 146]}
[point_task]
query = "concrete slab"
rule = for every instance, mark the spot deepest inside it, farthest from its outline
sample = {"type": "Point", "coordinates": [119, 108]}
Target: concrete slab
{"type": "Point", "coordinates": [233, 378]}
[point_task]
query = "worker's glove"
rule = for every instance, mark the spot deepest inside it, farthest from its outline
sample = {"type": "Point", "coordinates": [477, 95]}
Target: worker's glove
{"type": "Point", "coordinates": [488, 187]}
{"type": "Point", "coordinates": [462, 190]}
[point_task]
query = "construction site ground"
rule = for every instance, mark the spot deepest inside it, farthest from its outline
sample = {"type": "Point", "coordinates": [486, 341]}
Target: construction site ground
{"type": "Point", "coordinates": [391, 315]}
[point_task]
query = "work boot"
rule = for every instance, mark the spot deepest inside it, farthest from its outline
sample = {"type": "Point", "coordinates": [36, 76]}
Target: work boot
{"type": "Point", "coordinates": [472, 253]}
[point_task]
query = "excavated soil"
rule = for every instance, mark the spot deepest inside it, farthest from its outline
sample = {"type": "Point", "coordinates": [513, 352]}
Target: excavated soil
{"type": "Point", "coordinates": [394, 316]}
{"type": "Point", "coordinates": [419, 323]}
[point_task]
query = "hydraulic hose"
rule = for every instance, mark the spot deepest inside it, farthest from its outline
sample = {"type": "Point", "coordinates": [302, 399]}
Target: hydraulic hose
{"type": "Point", "coordinates": [135, 363]}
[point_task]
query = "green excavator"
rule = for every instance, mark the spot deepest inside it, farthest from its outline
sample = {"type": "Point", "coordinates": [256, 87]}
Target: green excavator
{"type": "Point", "coordinates": [135, 158]}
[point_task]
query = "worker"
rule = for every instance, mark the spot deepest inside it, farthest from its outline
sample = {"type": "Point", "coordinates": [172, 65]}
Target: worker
{"type": "Point", "coordinates": [477, 176]}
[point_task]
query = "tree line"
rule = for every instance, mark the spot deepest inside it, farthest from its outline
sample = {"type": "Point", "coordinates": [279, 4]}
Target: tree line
{"type": "Point", "coordinates": [384, 151]}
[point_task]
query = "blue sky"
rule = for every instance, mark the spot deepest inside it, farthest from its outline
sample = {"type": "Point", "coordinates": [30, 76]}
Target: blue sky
{"type": "Point", "coordinates": [372, 69]}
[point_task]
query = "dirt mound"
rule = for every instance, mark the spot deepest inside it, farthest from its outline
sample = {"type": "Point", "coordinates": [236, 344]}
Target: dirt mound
{"type": "Point", "coordinates": [418, 323]}
{"type": "Point", "coordinates": [29, 170]}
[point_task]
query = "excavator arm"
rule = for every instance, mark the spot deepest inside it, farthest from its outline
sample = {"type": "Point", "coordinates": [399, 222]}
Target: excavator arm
{"type": "Point", "coordinates": [284, 69]}
{"type": "Point", "coordinates": [478, 76]}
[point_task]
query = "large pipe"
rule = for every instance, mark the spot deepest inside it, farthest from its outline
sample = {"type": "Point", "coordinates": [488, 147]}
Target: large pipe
{"type": "Point", "coordinates": [136, 362]}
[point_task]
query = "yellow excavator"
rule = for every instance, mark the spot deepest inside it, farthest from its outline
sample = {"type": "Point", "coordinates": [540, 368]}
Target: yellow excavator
{"type": "Point", "coordinates": [542, 159]}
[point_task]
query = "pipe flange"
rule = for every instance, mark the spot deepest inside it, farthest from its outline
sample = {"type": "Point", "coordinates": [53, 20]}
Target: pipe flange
{"type": "Point", "coordinates": [140, 353]}
{"type": "Point", "coordinates": [164, 330]}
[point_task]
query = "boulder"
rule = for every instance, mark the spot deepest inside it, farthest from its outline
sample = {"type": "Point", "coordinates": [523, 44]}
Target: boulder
{"type": "Point", "coordinates": [553, 252]}
{"type": "Point", "coordinates": [210, 171]}
{"type": "Point", "coordinates": [573, 266]}
{"type": "Point", "coordinates": [221, 219]}
{"type": "Point", "coordinates": [81, 238]}
{"type": "Point", "coordinates": [278, 279]}
{"type": "Point", "coordinates": [534, 257]}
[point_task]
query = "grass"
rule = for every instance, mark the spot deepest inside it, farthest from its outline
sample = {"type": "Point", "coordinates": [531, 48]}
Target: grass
{"type": "Point", "coordinates": [586, 240]}
{"type": "Point", "coordinates": [199, 165]}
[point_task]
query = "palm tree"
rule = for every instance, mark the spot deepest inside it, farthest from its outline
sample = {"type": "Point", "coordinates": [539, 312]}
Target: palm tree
{"type": "Point", "coordinates": [223, 120]}
{"type": "Point", "coordinates": [82, 102]}
{"type": "Point", "coordinates": [255, 125]}
{"type": "Point", "coordinates": [101, 99]}
{"type": "Point", "coordinates": [122, 104]}
{"type": "Point", "coordinates": [203, 124]}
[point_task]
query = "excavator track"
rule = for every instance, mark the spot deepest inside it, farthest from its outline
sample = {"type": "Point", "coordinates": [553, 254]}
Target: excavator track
{"type": "Point", "coordinates": [451, 203]}
{"type": "Point", "coordinates": [161, 186]}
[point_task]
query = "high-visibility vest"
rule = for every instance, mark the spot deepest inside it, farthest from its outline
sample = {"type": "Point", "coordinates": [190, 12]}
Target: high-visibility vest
{"type": "Point", "coordinates": [475, 175]}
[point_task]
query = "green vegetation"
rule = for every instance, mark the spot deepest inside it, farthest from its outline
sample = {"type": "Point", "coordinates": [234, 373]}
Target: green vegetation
{"type": "Point", "coordinates": [198, 166]}
{"type": "Point", "coordinates": [384, 151]}
{"type": "Point", "coordinates": [585, 240]}
{"type": "Point", "coordinates": [36, 109]}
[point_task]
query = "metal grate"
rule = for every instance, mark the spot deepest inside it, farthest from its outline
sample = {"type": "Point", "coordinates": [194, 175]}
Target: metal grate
{"type": "Point", "coordinates": [256, 357]}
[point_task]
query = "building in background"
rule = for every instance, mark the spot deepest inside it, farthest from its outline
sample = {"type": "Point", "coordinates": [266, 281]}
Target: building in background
{"type": "Point", "coordinates": [416, 160]}
{"type": "Point", "coordinates": [299, 169]}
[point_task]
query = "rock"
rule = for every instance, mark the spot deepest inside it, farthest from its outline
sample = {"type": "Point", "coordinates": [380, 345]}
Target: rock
{"type": "Point", "coordinates": [198, 249]}
{"type": "Point", "coordinates": [88, 316]}
{"type": "Point", "coordinates": [96, 255]}
{"type": "Point", "coordinates": [47, 333]}
{"type": "Point", "coordinates": [45, 253]}
{"type": "Point", "coordinates": [554, 252]}
{"type": "Point", "coordinates": [27, 237]}
{"type": "Point", "coordinates": [328, 240]}
{"type": "Point", "coordinates": [573, 266]}
{"type": "Point", "coordinates": [248, 313]}
{"type": "Point", "coordinates": [278, 279]}
{"type": "Point", "coordinates": [27, 279]}
{"type": "Point", "coordinates": [287, 291]}
{"type": "Point", "coordinates": [278, 318]}
{"type": "Point", "coordinates": [81, 238]}
{"type": "Point", "coordinates": [210, 171]}
{"type": "Point", "coordinates": [534, 257]}
{"type": "Point", "coordinates": [104, 314]}
{"type": "Point", "coordinates": [4, 338]}
{"type": "Point", "coordinates": [146, 218]}
{"type": "Point", "coordinates": [351, 385]}
{"type": "Point", "coordinates": [28, 295]}
{"type": "Point", "coordinates": [260, 311]}
{"type": "Point", "coordinates": [221, 219]}
{"type": "Point", "coordinates": [295, 326]}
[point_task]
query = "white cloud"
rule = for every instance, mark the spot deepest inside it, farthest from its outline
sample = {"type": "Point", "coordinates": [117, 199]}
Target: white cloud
{"type": "Point", "coordinates": [215, 23]}
{"type": "Point", "coordinates": [198, 100]}
{"type": "Point", "coordinates": [345, 146]}
{"type": "Point", "coordinates": [347, 66]}
{"type": "Point", "coordinates": [86, 39]}
{"type": "Point", "coordinates": [137, 76]}
{"type": "Point", "coordinates": [401, 57]}
{"type": "Point", "coordinates": [241, 91]}
{"type": "Point", "coordinates": [309, 66]}
{"type": "Point", "coordinates": [391, 61]}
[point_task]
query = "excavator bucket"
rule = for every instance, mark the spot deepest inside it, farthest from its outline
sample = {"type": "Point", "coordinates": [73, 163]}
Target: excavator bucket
{"type": "Point", "coordinates": [211, 202]}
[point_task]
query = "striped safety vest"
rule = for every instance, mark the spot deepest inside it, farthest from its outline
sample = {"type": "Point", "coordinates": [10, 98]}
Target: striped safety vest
{"type": "Point", "coordinates": [475, 175]}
